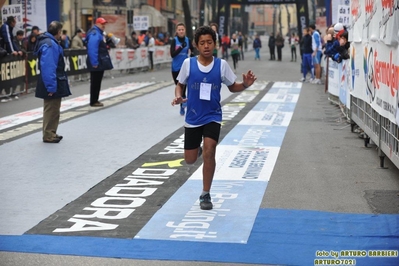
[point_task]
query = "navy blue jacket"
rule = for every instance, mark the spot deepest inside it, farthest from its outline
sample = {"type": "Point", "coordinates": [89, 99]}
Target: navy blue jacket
{"type": "Point", "coordinates": [52, 68]}
{"type": "Point", "coordinates": [97, 52]}
{"type": "Point", "coordinates": [257, 43]}
{"type": "Point", "coordinates": [7, 38]}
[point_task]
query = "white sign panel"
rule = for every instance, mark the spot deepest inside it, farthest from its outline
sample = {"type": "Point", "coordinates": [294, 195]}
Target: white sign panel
{"type": "Point", "coordinates": [35, 13]}
{"type": "Point", "coordinates": [140, 22]}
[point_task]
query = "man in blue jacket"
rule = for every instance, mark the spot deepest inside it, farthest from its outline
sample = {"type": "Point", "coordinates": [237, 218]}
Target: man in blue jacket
{"type": "Point", "coordinates": [7, 37]}
{"type": "Point", "coordinates": [98, 59]}
{"type": "Point", "coordinates": [52, 84]}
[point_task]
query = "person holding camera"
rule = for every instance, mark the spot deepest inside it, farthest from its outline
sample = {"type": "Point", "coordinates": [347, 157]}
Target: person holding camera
{"type": "Point", "coordinates": [180, 49]}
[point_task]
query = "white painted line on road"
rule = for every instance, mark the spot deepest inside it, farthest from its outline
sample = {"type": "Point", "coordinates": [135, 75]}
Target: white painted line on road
{"type": "Point", "coordinates": [37, 113]}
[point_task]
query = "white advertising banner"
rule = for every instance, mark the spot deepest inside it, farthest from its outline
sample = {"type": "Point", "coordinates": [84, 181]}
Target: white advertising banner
{"type": "Point", "coordinates": [344, 83]}
{"type": "Point", "coordinates": [389, 22]}
{"type": "Point", "coordinates": [35, 13]}
{"type": "Point", "coordinates": [375, 77]}
{"type": "Point", "coordinates": [138, 58]}
{"type": "Point", "coordinates": [333, 77]}
{"type": "Point", "coordinates": [357, 18]}
{"type": "Point", "coordinates": [335, 10]}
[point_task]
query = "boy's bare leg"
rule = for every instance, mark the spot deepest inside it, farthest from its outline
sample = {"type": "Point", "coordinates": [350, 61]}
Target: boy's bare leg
{"type": "Point", "coordinates": [208, 170]}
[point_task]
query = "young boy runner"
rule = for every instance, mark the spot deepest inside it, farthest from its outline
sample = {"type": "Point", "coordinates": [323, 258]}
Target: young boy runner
{"type": "Point", "coordinates": [204, 76]}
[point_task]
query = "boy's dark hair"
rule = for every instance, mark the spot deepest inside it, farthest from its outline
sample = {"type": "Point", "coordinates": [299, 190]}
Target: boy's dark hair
{"type": "Point", "coordinates": [54, 27]}
{"type": "Point", "coordinates": [204, 30]}
{"type": "Point", "coordinates": [35, 28]}
{"type": "Point", "coordinates": [20, 33]}
{"type": "Point", "coordinates": [312, 26]}
{"type": "Point", "coordinates": [10, 19]}
{"type": "Point", "coordinates": [345, 35]}
{"type": "Point", "coordinates": [64, 31]}
{"type": "Point", "coordinates": [180, 24]}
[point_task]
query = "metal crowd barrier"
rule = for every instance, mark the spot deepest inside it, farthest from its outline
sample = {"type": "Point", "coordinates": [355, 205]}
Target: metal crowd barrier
{"type": "Point", "coordinates": [377, 128]}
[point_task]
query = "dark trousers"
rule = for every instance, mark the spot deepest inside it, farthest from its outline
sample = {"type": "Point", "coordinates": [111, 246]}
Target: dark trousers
{"type": "Point", "coordinates": [51, 117]}
{"type": "Point", "coordinates": [225, 54]}
{"type": "Point", "coordinates": [174, 75]}
{"type": "Point", "coordinates": [150, 58]}
{"type": "Point", "coordinates": [293, 53]}
{"type": "Point", "coordinates": [272, 54]}
{"type": "Point", "coordinates": [235, 59]}
{"type": "Point", "coordinates": [95, 85]}
{"type": "Point", "coordinates": [279, 53]}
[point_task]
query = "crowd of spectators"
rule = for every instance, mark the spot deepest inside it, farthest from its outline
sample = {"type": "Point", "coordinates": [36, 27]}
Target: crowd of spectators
{"type": "Point", "coordinates": [18, 44]}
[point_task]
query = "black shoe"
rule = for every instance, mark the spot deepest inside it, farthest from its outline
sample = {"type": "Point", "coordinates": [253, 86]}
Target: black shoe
{"type": "Point", "coordinates": [97, 104]}
{"type": "Point", "coordinates": [55, 140]}
{"type": "Point", "coordinates": [59, 137]}
{"type": "Point", "coordinates": [205, 202]}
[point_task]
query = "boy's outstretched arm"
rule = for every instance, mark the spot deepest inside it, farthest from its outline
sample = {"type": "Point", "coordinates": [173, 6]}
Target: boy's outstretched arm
{"type": "Point", "coordinates": [247, 80]}
{"type": "Point", "coordinates": [178, 95]}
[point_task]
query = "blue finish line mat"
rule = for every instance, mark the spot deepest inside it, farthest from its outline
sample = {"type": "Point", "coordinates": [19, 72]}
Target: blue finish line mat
{"type": "Point", "coordinates": [149, 209]}
{"type": "Point", "coordinates": [284, 237]}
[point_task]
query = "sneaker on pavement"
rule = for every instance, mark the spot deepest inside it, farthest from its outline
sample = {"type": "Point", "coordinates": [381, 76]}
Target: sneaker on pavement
{"type": "Point", "coordinates": [302, 79]}
{"type": "Point", "coordinates": [316, 81]}
{"type": "Point", "coordinates": [205, 202]}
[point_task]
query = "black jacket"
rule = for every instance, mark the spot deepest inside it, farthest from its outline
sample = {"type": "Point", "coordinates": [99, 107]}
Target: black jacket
{"type": "Point", "coordinates": [272, 41]}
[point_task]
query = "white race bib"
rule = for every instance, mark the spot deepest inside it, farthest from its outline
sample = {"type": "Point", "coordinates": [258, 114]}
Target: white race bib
{"type": "Point", "coordinates": [205, 91]}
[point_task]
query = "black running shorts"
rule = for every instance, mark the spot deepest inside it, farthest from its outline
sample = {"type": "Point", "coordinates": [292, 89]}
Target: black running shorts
{"type": "Point", "coordinates": [193, 135]}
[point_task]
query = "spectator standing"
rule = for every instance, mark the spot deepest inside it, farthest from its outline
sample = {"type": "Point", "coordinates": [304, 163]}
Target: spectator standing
{"type": "Point", "coordinates": [245, 42]}
{"type": "Point", "coordinates": [215, 27]}
{"type": "Point", "coordinates": [204, 76]}
{"type": "Point", "coordinates": [19, 41]}
{"type": "Point", "coordinates": [272, 44]}
{"type": "Point", "coordinates": [235, 50]}
{"type": "Point", "coordinates": [7, 38]}
{"type": "Point", "coordinates": [159, 41]}
{"type": "Point", "coordinates": [52, 84]}
{"type": "Point", "coordinates": [225, 46]}
{"type": "Point", "coordinates": [257, 44]}
{"type": "Point", "coordinates": [279, 45]}
{"type": "Point", "coordinates": [294, 43]}
{"type": "Point", "coordinates": [307, 62]}
{"type": "Point", "coordinates": [316, 55]}
{"type": "Point", "coordinates": [132, 43]}
{"type": "Point", "coordinates": [77, 40]}
{"type": "Point", "coordinates": [35, 30]}
{"type": "Point", "coordinates": [241, 45]}
{"type": "Point", "coordinates": [151, 50]}
{"type": "Point", "coordinates": [98, 59]}
{"type": "Point", "coordinates": [30, 45]}
{"type": "Point", "coordinates": [180, 49]}
{"type": "Point", "coordinates": [65, 40]}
